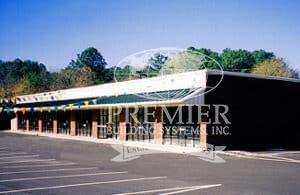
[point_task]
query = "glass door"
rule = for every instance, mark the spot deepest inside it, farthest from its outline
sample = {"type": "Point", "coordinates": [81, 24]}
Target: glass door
{"type": "Point", "coordinates": [102, 124]}
{"type": "Point", "coordinates": [22, 121]}
{"type": "Point", "coordinates": [33, 121]}
{"type": "Point", "coordinates": [84, 122]}
{"type": "Point", "coordinates": [63, 122]}
{"type": "Point", "coordinates": [47, 124]}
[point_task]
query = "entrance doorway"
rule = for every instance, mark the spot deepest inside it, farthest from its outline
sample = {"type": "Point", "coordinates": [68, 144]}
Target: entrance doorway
{"type": "Point", "coordinates": [107, 124]}
{"type": "Point", "coordinates": [138, 127]}
{"type": "Point", "coordinates": [63, 122]}
{"type": "Point", "coordinates": [22, 121]}
{"type": "Point", "coordinates": [84, 123]}
{"type": "Point", "coordinates": [47, 124]}
{"type": "Point", "coordinates": [33, 121]}
{"type": "Point", "coordinates": [181, 132]}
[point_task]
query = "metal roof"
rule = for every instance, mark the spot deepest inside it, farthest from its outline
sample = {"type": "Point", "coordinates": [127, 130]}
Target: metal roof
{"type": "Point", "coordinates": [154, 98]}
{"type": "Point", "coordinates": [154, 85]}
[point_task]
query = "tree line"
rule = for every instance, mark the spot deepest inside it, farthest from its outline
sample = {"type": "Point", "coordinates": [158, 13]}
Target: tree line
{"type": "Point", "coordinates": [20, 77]}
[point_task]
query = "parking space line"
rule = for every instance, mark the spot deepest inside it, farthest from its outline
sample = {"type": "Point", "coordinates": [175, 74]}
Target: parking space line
{"type": "Point", "coordinates": [175, 189]}
{"type": "Point", "coordinates": [12, 153]}
{"type": "Point", "coordinates": [34, 166]}
{"type": "Point", "coordinates": [51, 170]}
{"type": "Point", "coordinates": [281, 158]}
{"type": "Point", "coordinates": [287, 152]}
{"type": "Point", "coordinates": [62, 176]}
{"type": "Point", "coordinates": [192, 189]}
{"type": "Point", "coordinates": [82, 184]}
{"type": "Point", "coordinates": [277, 159]}
{"type": "Point", "coordinates": [24, 156]}
{"type": "Point", "coordinates": [33, 160]}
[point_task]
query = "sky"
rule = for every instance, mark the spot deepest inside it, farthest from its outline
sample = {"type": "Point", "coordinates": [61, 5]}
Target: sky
{"type": "Point", "coordinates": [53, 32]}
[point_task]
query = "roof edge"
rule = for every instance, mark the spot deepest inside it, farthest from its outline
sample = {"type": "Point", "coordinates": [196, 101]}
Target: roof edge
{"type": "Point", "coordinates": [256, 76]}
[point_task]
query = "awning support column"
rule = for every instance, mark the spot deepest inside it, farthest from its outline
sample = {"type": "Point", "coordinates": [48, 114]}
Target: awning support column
{"type": "Point", "coordinates": [203, 135]}
{"type": "Point", "coordinates": [158, 126]}
{"type": "Point", "coordinates": [94, 123]}
{"type": "Point", "coordinates": [55, 123]}
{"type": "Point", "coordinates": [14, 123]}
{"type": "Point", "coordinates": [27, 122]}
{"type": "Point", "coordinates": [122, 125]}
{"type": "Point", "coordinates": [73, 123]}
{"type": "Point", "coordinates": [40, 122]}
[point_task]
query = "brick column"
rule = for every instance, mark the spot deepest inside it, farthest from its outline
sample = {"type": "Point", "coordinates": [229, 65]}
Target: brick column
{"type": "Point", "coordinates": [94, 123]}
{"type": "Point", "coordinates": [158, 126]}
{"type": "Point", "coordinates": [55, 123]}
{"type": "Point", "coordinates": [27, 123]}
{"type": "Point", "coordinates": [14, 123]}
{"type": "Point", "coordinates": [122, 125]}
{"type": "Point", "coordinates": [40, 122]}
{"type": "Point", "coordinates": [203, 134]}
{"type": "Point", "coordinates": [73, 123]}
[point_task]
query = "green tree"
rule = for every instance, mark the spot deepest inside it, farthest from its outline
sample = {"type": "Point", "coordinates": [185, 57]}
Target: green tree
{"type": "Point", "coordinates": [108, 75]}
{"type": "Point", "coordinates": [72, 77]}
{"type": "Point", "coordinates": [237, 60]}
{"type": "Point", "coordinates": [124, 74]}
{"type": "Point", "coordinates": [153, 66]}
{"type": "Point", "coordinates": [93, 59]}
{"type": "Point", "coordinates": [184, 61]}
{"type": "Point", "coordinates": [60, 80]}
{"type": "Point", "coordinates": [262, 55]}
{"type": "Point", "coordinates": [211, 62]}
{"type": "Point", "coordinates": [35, 76]}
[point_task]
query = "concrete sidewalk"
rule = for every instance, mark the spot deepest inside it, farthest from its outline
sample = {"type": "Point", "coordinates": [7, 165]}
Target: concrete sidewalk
{"type": "Point", "coordinates": [146, 145]}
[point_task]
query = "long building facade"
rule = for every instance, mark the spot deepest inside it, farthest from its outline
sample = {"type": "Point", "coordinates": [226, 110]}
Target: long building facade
{"type": "Point", "coordinates": [194, 109]}
{"type": "Point", "coordinates": [127, 111]}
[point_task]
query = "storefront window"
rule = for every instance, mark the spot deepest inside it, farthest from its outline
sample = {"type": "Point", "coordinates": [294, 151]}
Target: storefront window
{"type": "Point", "coordinates": [33, 121]}
{"type": "Point", "coordinates": [47, 122]}
{"type": "Point", "coordinates": [22, 121]}
{"type": "Point", "coordinates": [114, 124]}
{"type": "Point", "coordinates": [107, 124]}
{"type": "Point", "coordinates": [140, 129]}
{"type": "Point", "coordinates": [63, 122]}
{"type": "Point", "coordinates": [84, 122]}
{"type": "Point", "coordinates": [102, 124]}
{"type": "Point", "coordinates": [180, 131]}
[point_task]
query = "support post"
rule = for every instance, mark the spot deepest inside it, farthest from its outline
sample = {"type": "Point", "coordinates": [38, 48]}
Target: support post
{"type": "Point", "coordinates": [55, 130]}
{"type": "Point", "coordinates": [27, 122]}
{"type": "Point", "coordinates": [122, 125]}
{"type": "Point", "coordinates": [203, 135]}
{"type": "Point", "coordinates": [73, 123]}
{"type": "Point", "coordinates": [40, 123]}
{"type": "Point", "coordinates": [158, 126]}
{"type": "Point", "coordinates": [14, 123]}
{"type": "Point", "coordinates": [94, 123]}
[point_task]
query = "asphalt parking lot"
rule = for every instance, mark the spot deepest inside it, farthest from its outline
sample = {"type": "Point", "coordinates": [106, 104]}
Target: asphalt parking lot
{"type": "Point", "coordinates": [41, 165]}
